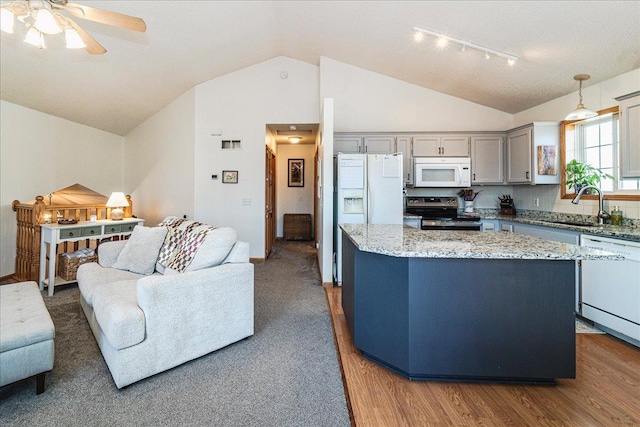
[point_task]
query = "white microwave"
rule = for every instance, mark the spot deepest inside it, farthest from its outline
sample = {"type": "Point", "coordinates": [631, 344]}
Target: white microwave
{"type": "Point", "coordinates": [442, 171]}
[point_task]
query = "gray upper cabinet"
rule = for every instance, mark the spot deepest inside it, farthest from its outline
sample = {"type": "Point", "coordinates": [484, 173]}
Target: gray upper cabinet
{"type": "Point", "coordinates": [347, 144]}
{"type": "Point", "coordinates": [441, 146]}
{"type": "Point", "coordinates": [519, 156]}
{"type": "Point", "coordinates": [379, 145]}
{"type": "Point", "coordinates": [404, 146]}
{"type": "Point", "coordinates": [533, 154]}
{"type": "Point", "coordinates": [630, 134]}
{"type": "Point", "coordinates": [487, 159]}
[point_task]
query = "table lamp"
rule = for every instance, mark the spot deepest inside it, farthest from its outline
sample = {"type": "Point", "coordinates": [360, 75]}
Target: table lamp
{"type": "Point", "coordinates": [117, 201]}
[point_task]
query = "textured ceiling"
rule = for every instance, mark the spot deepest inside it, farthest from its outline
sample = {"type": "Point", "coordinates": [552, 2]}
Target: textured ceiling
{"type": "Point", "coordinates": [189, 42]}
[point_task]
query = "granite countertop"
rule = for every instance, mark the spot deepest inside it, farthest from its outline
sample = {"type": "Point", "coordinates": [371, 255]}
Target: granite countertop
{"type": "Point", "coordinates": [564, 222]}
{"type": "Point", "coordinates": [402, 241]}
{"type": "Point", "coordinates": [630, 232]}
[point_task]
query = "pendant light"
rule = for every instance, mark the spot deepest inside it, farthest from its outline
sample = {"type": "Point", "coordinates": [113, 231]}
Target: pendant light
{"type": "Point", "coordinates": [581, 112]}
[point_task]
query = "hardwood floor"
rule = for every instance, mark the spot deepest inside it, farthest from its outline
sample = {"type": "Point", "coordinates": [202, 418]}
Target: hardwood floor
{"type": "Point", "coordinates": [606, 391]}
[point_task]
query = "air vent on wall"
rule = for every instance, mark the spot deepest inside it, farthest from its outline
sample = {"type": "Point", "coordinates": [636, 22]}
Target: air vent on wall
{"type": "Point", "coordinates": [231, 144]}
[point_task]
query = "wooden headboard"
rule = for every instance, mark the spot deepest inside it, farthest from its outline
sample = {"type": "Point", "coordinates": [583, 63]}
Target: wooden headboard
{"type": "Point", "coordinates": [76, 202]}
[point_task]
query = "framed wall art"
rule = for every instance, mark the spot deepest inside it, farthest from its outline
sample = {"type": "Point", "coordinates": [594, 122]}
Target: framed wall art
{"type": "Point", "coordinates": [296, 172]}
{"type": "Point", "coordinates": [229, 177]}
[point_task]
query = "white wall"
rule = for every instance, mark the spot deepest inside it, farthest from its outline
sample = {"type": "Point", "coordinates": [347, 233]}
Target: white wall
{"type": "Point", "coordinates": [40, 153]}
{"type": "Point", "coordinates": [596, 97]}
{"type": "Point", "coordinates": [159, 162]}
{"type": "Point", "coordinates": [241, 104]}
{"type": "Point", "coordinates": [293, 199]}
{"type": "Point", "coordinates": [367, 101]}
{"type": "Point", "coordinates": [325, 192]}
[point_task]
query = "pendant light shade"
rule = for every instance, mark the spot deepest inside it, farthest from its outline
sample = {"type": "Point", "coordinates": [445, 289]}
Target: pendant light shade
{"type": "Point", "coordinates": [581, 112]}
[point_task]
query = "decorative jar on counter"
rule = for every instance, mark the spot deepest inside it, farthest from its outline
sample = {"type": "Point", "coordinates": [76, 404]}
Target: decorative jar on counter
{"type": "Point", "coordinates": [616, 216]}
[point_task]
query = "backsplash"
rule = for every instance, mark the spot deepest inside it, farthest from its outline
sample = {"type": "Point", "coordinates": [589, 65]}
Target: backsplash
{"type": "Point", "coordinates": [549, 203]}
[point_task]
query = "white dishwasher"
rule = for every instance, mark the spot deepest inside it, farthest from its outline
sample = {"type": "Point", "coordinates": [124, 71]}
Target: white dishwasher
{"type": "Point", "coordinates": [611, 289]}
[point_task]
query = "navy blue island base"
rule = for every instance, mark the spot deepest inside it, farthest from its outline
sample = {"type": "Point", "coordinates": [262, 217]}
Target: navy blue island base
{"type": "Point", "coordinates": [456, 319]}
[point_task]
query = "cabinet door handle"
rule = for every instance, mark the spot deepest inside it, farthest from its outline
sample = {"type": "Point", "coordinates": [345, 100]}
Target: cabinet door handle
{"type": "Point", "coordinates": [526, 175]}
{"type": "Point", "coordinates": [474, 176]}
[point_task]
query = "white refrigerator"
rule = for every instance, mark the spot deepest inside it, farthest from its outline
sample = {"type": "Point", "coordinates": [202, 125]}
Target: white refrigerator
{"type": "Point", "coordinates": [368, 190]}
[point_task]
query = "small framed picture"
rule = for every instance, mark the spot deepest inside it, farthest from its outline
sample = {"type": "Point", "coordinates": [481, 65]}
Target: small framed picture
{"type": "Point", "coordinates": [229, 177]}
{"type": "Point", "coordinates": [296, 172]}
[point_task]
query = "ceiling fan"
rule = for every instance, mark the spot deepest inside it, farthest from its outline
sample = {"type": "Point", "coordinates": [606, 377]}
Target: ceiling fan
{"type": "Point", "coordinates": [52, 17]}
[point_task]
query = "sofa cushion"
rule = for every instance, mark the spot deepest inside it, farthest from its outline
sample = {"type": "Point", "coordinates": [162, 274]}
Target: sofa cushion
{"type": "Point", "coordinates": [115, 306]}
{"type": "Point", "coordinates": [141, 251]}
{"type": "Point", "coordinates": [91, 276]}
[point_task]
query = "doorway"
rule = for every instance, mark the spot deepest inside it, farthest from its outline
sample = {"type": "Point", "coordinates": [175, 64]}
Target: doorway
{"type": "Point", "coordinates": [290, 178]}
{"type": "Point", "coordinates": [270, 202]}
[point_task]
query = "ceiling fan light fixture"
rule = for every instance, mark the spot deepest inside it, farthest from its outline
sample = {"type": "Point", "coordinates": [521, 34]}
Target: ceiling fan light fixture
{"type": "Point", "coordinates": [46, 23]}
{"type": "Point", "coordinates": [581, 113]}
{"type": "Point", "coordinates": [6, 20]}
{"type": "Point", "coordinates": [35, 38]}
{"type": "Point", "coordinates": [74, 41]}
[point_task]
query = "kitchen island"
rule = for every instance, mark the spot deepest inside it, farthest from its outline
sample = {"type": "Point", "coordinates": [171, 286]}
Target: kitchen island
{"type": "Point", "coordinates": [462, 305]}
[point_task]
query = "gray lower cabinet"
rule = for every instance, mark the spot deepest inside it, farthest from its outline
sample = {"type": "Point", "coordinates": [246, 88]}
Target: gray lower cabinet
{"type": "Point", "coordinates": [411, 222]}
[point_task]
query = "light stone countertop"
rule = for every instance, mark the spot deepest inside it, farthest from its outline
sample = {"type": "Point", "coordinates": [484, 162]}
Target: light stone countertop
{"type": "Point", "coordinates": [402, 241]}
{"type": "Point", "coordinates": [607, 230]}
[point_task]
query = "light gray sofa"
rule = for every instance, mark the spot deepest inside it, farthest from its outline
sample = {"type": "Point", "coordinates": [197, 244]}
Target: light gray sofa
{"type": "Point", "coordinates": [146, 324]}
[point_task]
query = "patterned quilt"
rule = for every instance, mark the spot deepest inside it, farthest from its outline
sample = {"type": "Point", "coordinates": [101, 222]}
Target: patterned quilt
{"type": "Point", "coordinates": [183, 239]}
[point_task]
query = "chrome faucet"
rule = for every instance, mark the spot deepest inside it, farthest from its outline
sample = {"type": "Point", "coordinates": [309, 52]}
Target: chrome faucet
{"type": "Point", "coordinates": [602, 215]}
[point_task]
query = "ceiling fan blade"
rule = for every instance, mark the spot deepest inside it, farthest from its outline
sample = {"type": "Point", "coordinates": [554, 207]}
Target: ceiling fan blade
{"type": "Point", "coordinates": [93, 47]}
{"type": "Point", "coordinates": [106, 17]}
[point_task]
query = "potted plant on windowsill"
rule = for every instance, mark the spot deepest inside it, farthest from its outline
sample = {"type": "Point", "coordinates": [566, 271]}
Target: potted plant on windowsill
{"type": "Point", "coordinates": [582, 174]}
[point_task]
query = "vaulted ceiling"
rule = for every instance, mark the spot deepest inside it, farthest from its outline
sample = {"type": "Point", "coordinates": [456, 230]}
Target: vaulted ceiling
{"type": "Point", "coordinates": [189, 42]}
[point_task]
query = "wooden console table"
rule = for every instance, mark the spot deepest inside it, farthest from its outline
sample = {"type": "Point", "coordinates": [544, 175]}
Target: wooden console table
{"type": "Point", "coordinates": [52, 234]}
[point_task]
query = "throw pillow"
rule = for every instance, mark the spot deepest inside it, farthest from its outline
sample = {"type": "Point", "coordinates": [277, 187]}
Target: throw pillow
{"type": "Point", "coordinates": [214, 249]}
{"type": "Point", "coordinates": [140, 253]}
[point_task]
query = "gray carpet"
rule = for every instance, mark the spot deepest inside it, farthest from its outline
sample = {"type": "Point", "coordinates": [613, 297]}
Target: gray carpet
{"type": "Point", "coordinates": [287, 374]}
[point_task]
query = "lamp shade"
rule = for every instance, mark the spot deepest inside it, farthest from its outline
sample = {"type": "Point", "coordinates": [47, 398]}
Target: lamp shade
{"type": "Point", "coordinates": [117, 200]}
{"type": "Point", "coordinates": [581, 113]}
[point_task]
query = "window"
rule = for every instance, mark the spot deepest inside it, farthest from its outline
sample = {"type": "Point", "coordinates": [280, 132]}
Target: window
{"type": "Point", "coordinates": [595, 142]}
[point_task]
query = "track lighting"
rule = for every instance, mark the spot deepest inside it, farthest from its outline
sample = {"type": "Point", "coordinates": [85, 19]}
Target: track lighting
{"type": "Point", "coordinates": [444, 40]}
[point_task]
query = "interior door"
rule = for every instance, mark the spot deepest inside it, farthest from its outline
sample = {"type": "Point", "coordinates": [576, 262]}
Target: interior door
{"type": "Point", "coordinates": [270, 201]}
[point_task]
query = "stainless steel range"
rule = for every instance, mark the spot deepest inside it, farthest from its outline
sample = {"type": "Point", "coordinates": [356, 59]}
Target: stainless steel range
{"type": "Point", "coordinates": [441, 213]}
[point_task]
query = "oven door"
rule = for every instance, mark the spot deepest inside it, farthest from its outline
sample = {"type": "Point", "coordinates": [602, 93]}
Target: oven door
{"type": "Point", "coordinates": [435, 173]}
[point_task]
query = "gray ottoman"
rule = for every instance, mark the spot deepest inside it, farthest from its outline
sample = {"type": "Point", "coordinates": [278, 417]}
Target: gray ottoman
{"type": "Point", "coordinates": [26, 334]}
